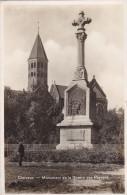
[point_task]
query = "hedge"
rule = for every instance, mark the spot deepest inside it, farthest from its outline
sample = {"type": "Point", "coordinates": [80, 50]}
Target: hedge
{"type": "Point", "coordinates": [99, 154]}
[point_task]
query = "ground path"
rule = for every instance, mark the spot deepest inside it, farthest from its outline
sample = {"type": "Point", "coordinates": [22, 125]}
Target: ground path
{"type": "Point", "coordinates": [62, 177]}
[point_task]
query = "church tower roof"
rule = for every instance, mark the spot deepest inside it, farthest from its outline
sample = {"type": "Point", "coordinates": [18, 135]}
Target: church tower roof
{"type": "Point", "coordinates": [38, 50]}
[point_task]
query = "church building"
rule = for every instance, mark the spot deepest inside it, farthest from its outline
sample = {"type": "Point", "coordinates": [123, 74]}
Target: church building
{"type": "Point", "coordinates": [37, 67]}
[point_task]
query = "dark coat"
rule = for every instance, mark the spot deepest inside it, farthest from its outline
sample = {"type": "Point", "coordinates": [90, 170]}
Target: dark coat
{"type": "Point", "coordinates": [21, 150]}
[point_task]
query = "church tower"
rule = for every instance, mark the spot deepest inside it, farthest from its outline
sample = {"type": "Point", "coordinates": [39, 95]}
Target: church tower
{"type": "Point", "coordinates": [37, 67]}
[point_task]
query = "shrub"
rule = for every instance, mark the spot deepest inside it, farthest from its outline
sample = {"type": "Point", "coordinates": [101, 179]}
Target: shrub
{"type": "Point", "coordinates": [99, 154]}
{"type": "Point", "coordinates": [118, 187]}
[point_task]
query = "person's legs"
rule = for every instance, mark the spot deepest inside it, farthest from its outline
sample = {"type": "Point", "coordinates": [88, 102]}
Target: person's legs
{"type": "Point", "coordinates": [20, 161]}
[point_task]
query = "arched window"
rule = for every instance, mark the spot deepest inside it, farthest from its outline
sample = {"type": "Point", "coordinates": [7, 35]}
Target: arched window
{"type": "Point", "coordinates": [38, 64]}
{"type": "Point", "coordinates": [41, 65]}
{"type": "Point", "coordinates": [32, 74]}
{"type": "Point", "coordinates": [100, 110]}
{"type": "Point", "coordinates": [41, 74]}
{"type": "Point", "coordinates": [32, 65]}
{"type": "Point", "coordinates": [38, 74]}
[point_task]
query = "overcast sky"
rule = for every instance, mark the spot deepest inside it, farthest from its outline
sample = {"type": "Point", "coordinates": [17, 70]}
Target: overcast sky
{"type": "Point", "coordinates": [103, 46]}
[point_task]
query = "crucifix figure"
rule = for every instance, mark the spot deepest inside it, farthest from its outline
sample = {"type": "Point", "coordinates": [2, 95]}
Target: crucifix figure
{"type": "Point", "coordinates": [82, 21]}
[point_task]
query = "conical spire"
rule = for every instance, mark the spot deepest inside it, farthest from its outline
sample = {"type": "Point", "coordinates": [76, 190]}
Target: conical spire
{"type": "Point", "coordinates": [38, 50]}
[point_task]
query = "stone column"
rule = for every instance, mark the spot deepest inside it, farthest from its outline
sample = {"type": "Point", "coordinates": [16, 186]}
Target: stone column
{"type": "Point", "coordinates": [81, 36]}
{"type": "Point", "coordinates": [81, 73]}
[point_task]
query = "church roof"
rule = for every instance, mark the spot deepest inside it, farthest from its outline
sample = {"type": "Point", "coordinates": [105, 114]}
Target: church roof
{"type": "Point", "coordinates": [96, 87]}
{"type": "Point", "coordinates": [38, 49]}
{"type": "Point", "coordinates": [93, 84]}
{"type": "Point", "coordinates": [61, 90]}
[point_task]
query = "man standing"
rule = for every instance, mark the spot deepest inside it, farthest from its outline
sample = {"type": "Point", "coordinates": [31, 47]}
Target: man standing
{"type": "Point", "coordinates": [21, 153]}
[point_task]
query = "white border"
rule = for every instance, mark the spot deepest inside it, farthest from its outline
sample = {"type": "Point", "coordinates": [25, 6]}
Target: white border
{"type": "Point", "coordinates": [2, 102]}
{"type": "Point", "coordinates": [86, 2]}
{"type": "Point", "coordinates": [66, 2]}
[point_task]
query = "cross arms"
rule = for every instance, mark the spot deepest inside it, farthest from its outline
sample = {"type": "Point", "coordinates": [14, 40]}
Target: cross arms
{"type": "Point", "coordinates": [81, 22]}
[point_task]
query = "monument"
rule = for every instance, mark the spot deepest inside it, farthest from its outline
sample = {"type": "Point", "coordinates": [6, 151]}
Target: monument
{"type": "Point", "coordinates": [77, 128]}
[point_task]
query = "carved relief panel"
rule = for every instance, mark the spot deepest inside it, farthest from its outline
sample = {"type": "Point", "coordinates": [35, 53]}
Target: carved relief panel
{"type": "Point", "coordinates": [76, 102]}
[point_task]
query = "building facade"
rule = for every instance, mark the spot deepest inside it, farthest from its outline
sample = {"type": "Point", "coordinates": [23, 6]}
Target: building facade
{"type": "Point", "coordinates": [37, 67]}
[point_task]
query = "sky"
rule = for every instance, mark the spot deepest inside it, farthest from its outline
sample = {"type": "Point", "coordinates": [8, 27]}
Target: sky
{"type": "Point", "coordinates": [104, 46]}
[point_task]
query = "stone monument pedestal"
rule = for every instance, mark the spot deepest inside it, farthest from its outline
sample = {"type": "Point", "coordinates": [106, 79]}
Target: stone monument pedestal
{"type": "Point", "coordinates": [75, 129]}
{"type": "Point", "coordinates": [75, 134]}
{"type": "Point", "coordinates": [79, 104]}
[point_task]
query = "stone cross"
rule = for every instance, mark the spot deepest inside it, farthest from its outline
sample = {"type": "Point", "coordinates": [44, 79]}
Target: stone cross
{"type": "Point", "coordinates": [82, 21]}
{"type": "Point", "coordinates": [81, 72]}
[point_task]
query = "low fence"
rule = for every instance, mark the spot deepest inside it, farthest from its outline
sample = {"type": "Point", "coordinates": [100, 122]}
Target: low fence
{"type": "Point", "coordinates": [101, 153]}
{"type": "Point", "coordinates": [28, 147]}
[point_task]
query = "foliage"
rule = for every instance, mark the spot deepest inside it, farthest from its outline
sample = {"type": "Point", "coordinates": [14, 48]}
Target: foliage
{"type": "Point", "coordinates": [99, 154]}
{"type": "Point", "coordinates": [34, 116]}
{"type": "Point", "coordinates": [112, 127]}
{"type": "Point", "coordinates": [27, 116]}
{"type": "Point", "coordinates": [118, 187]}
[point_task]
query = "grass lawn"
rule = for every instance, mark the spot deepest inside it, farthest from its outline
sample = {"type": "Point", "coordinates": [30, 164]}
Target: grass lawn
{"type": "Point", "coordinates": [63, 178]}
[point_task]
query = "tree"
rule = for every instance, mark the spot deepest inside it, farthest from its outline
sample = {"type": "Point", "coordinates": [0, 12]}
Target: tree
{"type": "Point", "coordinates": [26, 116]}
{"type": "Point", "coordinates": [112, 126]}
